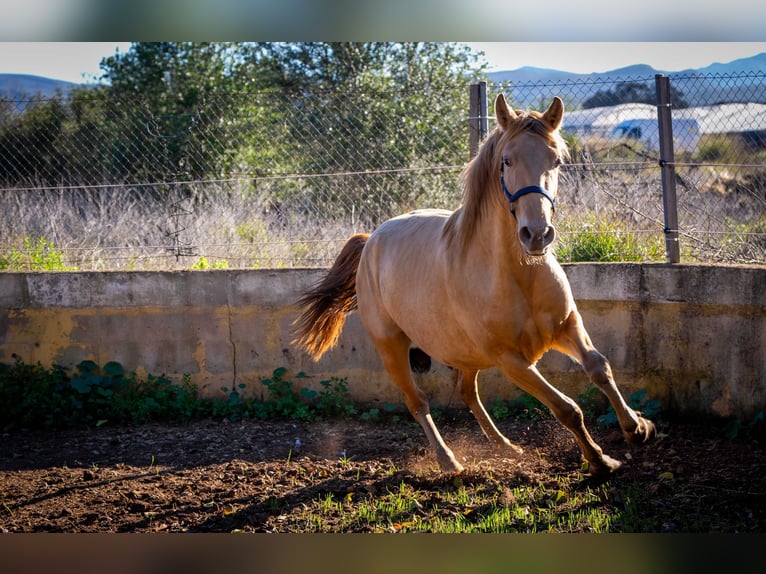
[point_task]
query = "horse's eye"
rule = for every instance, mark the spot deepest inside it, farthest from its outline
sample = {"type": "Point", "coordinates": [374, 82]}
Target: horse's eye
{"type": "Point", "coordinates": [506, 162]}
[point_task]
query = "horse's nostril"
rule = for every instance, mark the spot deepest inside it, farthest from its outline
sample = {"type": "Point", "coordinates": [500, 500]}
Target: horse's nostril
{"type": "Point", "coordinates": [525, 234]}
{"type": "Point", "coordinates": [549, 235]}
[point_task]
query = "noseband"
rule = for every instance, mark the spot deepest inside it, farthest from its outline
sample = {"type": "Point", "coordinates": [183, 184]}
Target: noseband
{"type": "Point", "coordinates": [524, 191]}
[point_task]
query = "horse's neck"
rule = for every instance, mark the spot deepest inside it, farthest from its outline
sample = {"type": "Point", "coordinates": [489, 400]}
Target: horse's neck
{"type": "Point", "coordinates": [494, 251]}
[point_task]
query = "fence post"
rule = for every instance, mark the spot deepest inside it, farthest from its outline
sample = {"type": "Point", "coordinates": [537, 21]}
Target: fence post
{"type": "Point", "coordinates": [477, 116]}
{"type": "Point", "coordinates": [668, 169]}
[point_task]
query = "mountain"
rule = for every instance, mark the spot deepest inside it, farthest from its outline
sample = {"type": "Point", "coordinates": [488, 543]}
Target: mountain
{"type": "Point", "coordinates": [18, 86]}
{"type": "Point", "coordinates": [753, 64]}
{"type": "Point", "coordinates": [704, 86]}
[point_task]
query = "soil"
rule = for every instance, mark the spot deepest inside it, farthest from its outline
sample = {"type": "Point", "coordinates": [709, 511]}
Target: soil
{"type": "Point", "coordinates": [252, 476]}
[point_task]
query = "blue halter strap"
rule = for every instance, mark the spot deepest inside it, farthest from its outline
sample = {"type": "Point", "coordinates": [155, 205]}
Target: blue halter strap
{"type": "Point", "coordinates": [524, 191]}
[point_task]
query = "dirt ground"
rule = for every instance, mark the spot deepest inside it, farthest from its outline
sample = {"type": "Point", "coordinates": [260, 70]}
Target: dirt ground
{"type": "Point", "coordinates": [219, 476]}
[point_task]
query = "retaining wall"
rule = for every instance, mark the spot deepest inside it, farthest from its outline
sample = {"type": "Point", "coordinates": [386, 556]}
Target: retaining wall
{"type": "Point", "coordinates": [692, 336]}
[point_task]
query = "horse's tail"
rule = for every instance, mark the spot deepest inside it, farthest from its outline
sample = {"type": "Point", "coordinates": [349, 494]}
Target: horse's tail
{"type": "Point", "coordinates": [327, 303]}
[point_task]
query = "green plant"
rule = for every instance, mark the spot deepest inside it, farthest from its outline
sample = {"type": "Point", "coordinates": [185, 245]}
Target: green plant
{"type": "Point", "coordinates": [592, 401]}
{"type": "Point", "coordinates": [203, 263]}
{"type": "Point", "coordinates": [498, 409]}
{"type": "Point", "coordinates": [735, 426]}
{"type": "Point", "coordinates": [639, 401]}
{"type": "Point", "coordinates": [370, 415]}
{"type": "Point", "coordinates": [40, 255]}
{"type": "Point", "coordinates": [721, 148]}
{"type": "Point", "coordinates": [527, 407]}
{"type": "Point", "coordinates": [374, 414]}
{"type": "Point", "coordinates": [334, 399]}
{"type": "Point", "coordinates": [32, 396]}
{"type": "Point", "coordinates": [282, 400]}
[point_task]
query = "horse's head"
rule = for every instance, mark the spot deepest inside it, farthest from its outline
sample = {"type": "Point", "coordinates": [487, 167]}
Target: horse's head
{"type": "Point", "coordinates": [529, 154]}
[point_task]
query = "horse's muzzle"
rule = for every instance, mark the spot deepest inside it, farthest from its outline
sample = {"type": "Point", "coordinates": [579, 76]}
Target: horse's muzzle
{"type": "Point", "coordinates": [536, 238]}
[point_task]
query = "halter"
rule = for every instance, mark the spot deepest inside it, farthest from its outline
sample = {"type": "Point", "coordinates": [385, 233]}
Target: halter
{"type": "Point", "coordinates": [524, 191]}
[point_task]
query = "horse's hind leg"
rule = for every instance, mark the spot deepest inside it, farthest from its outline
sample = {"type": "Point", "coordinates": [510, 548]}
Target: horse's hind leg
{"type": "Point", "coordinates": [576, 343]}
{"type": "Point", "coordinates": [469, 392]}
{"type": "Point", "coordinates": [394, 351]}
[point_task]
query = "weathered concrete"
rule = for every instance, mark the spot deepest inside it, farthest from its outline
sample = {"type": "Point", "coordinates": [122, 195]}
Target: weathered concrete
{"type": "Point", "coordinates": [693, 336]}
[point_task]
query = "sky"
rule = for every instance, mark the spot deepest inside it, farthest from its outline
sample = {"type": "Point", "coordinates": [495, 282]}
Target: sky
{"type": "Point", "coordinates": [79, 61]}
{"type": "Point", "coordinates": [587, 57]}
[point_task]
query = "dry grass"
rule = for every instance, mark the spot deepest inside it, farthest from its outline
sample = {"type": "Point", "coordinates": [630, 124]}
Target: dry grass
{"type": "Point", "coordinates": [231, 225]}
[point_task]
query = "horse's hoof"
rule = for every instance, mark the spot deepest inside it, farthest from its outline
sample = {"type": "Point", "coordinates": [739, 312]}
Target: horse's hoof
{"type": "Point", "coordinates": [644, 432]}
{"type": "Point", "coordinates": [515, 449]}
{"type": "Point", "coordinates": [455, 469]}
{"type": "Point", "coordinates": [450, 466]}
{"type": "Point", "coordinates": [604, 467]}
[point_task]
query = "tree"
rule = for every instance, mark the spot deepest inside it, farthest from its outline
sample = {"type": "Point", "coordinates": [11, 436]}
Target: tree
{"type": "Point", "coordinates": [171, 111]}
{"type": "Point", "coordinates": [172, 101]}
{"type": "Point", "coordinates": [359, 107]}
{"type": "Point", "coordinates": [631, 92]}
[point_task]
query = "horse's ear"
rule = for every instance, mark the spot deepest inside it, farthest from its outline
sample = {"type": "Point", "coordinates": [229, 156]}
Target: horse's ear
{"type": "Point", "coordinates": [503, 113]}
{"type": "Point", "coordinates": [555, 113]}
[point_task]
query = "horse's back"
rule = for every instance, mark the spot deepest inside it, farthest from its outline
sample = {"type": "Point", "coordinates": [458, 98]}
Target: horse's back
{"type": "Point", "coordinates": [407, 246]}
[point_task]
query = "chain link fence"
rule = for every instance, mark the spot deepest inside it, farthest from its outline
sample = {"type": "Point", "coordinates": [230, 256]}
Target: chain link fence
{"type": "Point", "coordinates": [612, 193]}
{"type": "Point", "coordinates": [270, 179]}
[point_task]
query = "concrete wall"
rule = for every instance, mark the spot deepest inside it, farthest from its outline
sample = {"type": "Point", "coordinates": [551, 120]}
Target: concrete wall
{"type": "Point", "coordinates": [693, 336]}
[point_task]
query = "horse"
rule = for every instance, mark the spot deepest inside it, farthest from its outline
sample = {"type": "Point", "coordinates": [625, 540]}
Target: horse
{"type": "Point", "coordinates": [474, 288]}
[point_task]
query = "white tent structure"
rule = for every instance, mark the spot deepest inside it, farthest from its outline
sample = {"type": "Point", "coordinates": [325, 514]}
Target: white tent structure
{"type": "Point", "coordinates": [734, 118]}
{"type": "Point", "coordinates": [727, 118]}
{"type": "Point", "coordinates": [601, 121]}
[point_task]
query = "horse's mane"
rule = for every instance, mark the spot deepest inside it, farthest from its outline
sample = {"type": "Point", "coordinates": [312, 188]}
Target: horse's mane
{"type": "Point", "coordinates": [481, 182]}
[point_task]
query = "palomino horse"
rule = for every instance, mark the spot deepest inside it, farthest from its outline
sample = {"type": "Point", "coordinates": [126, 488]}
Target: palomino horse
{"type": "Point", "coordinates": [475, 288]}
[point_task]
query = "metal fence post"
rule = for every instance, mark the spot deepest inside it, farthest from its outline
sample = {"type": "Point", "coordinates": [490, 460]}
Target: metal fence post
{"type": "Point", "coordinates": [668, 170]}
{"type": "Point", "coordinates": [477, 116]}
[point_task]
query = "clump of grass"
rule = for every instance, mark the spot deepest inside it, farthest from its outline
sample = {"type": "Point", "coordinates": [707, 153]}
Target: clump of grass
{"type": "Point", "coordinates": [489, 507]}
{"type": "Point", "coordinates": [721, 148]}
{"type": "Point", "coordinates": [606, 239]}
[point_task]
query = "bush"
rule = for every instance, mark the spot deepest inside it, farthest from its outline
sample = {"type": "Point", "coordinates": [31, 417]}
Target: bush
{"type": "Point", "coordinates": [32, 396]}
{"type": "Point", "coordinates": [605, 239]}
{"type": "Point", "coordinates": [40, 255]}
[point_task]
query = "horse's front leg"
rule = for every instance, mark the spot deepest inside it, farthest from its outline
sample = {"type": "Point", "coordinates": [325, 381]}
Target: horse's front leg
{"type": "Point", "coordinates": [469, 392]}
{"type": "Point", "coordinates": [576, 343]}
{"type": "Point", "coordinates": [529, 379]}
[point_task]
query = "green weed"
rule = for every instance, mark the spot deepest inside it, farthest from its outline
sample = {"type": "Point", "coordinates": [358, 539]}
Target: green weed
{"type": "Point", "coordinates": [40, 255]}
{"type": "Point", "coordinates": [203, 263]}
{"type": "Point", "coordinates": [527, 407]}
{"type": "Point", "coordinates": [498, 409]}
{"type": "Point", "coordinates": [32, 396]}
